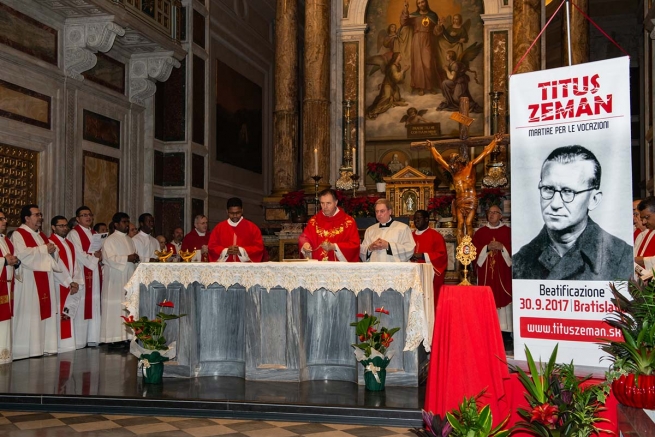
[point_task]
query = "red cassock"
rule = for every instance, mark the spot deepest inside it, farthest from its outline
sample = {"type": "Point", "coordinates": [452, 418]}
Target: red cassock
{"type": "Point", "coordinates": [340, 229]}
{"type": "Point", "coordinates": [495, 272]}
{"type": "Point", "coordinates": [192, 241]}
{"type": "Point", "coordinates": [432, 243]}
{"type": "Point", "coordinates": [246, 235]}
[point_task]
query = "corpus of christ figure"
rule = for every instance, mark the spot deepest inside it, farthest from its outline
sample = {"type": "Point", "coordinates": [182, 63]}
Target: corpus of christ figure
{"type": "Point", "coordinates": [462, 170]}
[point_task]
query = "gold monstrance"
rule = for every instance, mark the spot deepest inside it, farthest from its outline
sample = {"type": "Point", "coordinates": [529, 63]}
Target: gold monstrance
{"type": "Point", "coordinates": [465, 254]}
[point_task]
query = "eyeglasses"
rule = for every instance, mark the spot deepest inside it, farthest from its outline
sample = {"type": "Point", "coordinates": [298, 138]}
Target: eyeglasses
{"type": "Point", "coordinates": [566, 194]}
{"type": "Point", "coordinates": [85, 215]}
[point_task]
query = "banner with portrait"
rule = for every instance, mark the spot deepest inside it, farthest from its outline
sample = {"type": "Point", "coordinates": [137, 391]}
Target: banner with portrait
{"type": "Point", "coordinates": [571, 204]}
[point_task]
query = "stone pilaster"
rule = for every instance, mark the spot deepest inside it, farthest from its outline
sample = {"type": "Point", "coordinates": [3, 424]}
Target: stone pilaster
{"type": "Point", "coordinates": [316, 104]}
{"type": "Point", "coordinates": [579, 35]}
{"type": "Point", "coordinates": [85, 37]}
{"type": "Point", "coordinates": [285, 117]}
{"type": "Point", "coordinates": [526, 27]}
{"type": "Point", "coordinates": [145, 70]}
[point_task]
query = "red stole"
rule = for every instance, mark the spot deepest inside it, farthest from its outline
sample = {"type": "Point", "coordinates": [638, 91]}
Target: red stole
{"type": "Point", "coordinates": [41, 278]}
{"type": "Point", "coordinates": [6, 288]}
{"type": "Point", "coordinates": [66, 330]}
{"type": "Point", "coordinates": [88, 275]}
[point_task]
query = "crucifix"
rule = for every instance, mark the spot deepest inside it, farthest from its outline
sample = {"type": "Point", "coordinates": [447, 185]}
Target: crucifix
{"type": "Point", "coordinates": [462, 168]}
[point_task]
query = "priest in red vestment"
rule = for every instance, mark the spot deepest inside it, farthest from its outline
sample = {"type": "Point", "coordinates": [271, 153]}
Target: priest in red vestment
{"type": "Point", "coordinates": [637, 225]}
{"type": "Point", "coordinates": [198, 239]}
{"type": "Point", "coordinates": [236, 239]}
{"type": "Point", "coordinates": [493, 244]}
{"type": "Point", "coordinates": [644, 248]}
{"type": "Point", "coordinates": [430, 248]}
{"type": "Point", "coordinates": [331, 235]}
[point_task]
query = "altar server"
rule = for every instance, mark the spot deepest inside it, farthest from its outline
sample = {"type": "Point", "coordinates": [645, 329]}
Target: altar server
{"type": "Point", "coordinates": [388, 240]}
{"type": "Point", "coordinates": [236, 239]}
{"type": "Point", "coordinates": [8, 263]}
{"type": "Point", "coordinates": [430, 249]}
{"type": "Point", "coordinates": [145, 243]}
{"type": "Point", "coordinates": [35, 321]}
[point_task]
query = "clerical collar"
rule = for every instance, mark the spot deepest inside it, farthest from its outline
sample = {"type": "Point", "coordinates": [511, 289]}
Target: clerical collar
{"type": "Point", "coordinates": [417, 232]}
{"type": "Point", "coordinates": [387, 224]}
{"type": "Point", "coordinates": [231, 223]}
{"type": "Point", "coordinates": [202, 234]}
{"type": "Point", "coordinates": [494, 227]}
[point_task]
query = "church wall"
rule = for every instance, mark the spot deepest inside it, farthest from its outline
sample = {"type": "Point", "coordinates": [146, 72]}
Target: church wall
{"type": "Point", "coordinates": [241, 37]}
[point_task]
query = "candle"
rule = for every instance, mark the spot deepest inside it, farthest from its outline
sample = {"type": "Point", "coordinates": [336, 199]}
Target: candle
{"type": "Point", "coordinates": [355, 160]}
{"type": "Point", "coordinates": [315, 161]}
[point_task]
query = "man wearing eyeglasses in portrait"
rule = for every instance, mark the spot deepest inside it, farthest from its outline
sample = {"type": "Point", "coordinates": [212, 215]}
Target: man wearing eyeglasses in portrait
{"type": "Point", "coordinates": [571, 245]}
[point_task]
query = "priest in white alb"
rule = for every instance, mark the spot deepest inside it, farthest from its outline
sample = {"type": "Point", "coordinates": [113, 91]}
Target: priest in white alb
{"type": "Point", "coordinates": [87, 317]}
{"type": "Point", "coordinates": [34, 326]}
{"type": "Point", "coordinates": [68, 282]}
{"type": "Point", "coordinates": [388, 240]}
{"type": "Point", "coordinates": [120, 258]}
{"type": "Point", "coordinates": [8, 263]}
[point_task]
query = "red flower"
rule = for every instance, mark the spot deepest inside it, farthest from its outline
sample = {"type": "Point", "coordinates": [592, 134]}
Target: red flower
{"type": "Point", "coordinates": [128, 320]}
{"type": "Point", "coordinates": [370, 330]}
{"type": "Point", "coordinates": [360, 315]}
{"type": "Point", "coordinates": [545, 414]}
{"type": "Point", "coordinates": [385, 339]}
{"type": "Point", "coordinates": [166, 303]}
{"type": "Point", "coordinates": [381, 310]}
{"type": "Point", "coordinates": [362, 337]}
{"type": "Point", "coordinates": [138, 331]}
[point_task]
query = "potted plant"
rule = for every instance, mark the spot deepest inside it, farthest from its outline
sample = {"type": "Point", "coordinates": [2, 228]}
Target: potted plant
{"type": "Point", "coordinates": [152, 351]}
{"type": "Point", "coordinates": [633, 357]}
{"type": "Point", "coordinates": [561, 404]}
{"type": "Point", "coordinates": [441, 207]}
{"type": "Point", "coordinates": [372, 351]}
{"type": "Point", "coordinates": [468, 420]}
{"type": "Point", "coordinates": [377, 171]}
{"type": "Point", "coordinates": [295, 205]}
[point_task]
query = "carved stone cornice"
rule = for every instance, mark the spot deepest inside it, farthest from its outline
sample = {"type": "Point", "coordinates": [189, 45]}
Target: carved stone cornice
{"type": "Point", "coordinates": [83, 37]}
{"type": "Point", "coordinates": [145, 70]}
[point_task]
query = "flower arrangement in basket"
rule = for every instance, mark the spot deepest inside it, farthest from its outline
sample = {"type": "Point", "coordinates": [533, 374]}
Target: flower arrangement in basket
{"type": "Point", "coordinates": [152, 352]}
{"type": "Point", "coordinates": [371, 352]}
{"type": "Point", "coordinates": [377, 171]}
{"type": "Point", "coordinates": [362, 206]}
{"type": "Point", "coordinates": [294, 203]}
{"type": "Point", "coordinates": [441, 205]}
{"type": "Point", "coordinates": [561, 404]}
{"type": "Point", "coordinates": [488, 197]}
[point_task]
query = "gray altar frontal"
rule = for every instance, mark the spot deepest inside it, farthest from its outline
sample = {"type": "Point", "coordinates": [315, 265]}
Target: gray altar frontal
{"type": "Point", "coordinates": [296, 330]}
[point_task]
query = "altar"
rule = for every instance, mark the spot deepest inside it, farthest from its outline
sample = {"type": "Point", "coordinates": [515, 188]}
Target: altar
{"type": "Point", "coordinates": [286, 321]}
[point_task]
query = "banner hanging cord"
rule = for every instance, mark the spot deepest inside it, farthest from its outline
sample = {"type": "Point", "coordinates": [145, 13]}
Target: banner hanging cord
{"type": "Point", "coordinates": [551, 19]}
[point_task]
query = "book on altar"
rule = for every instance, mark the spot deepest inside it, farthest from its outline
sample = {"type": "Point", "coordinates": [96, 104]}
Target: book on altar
{"type": "Point", "coordinates": [97, 241]}
{"type": "Point", "coordinates": [644, 275]}
{"type": "Point", "coordinates": [71, 304]}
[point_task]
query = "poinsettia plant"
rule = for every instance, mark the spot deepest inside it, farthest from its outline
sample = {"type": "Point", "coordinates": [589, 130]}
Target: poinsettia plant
{"type": "Point", "coordinates": [441, 205]}
{"type": "Point", "coordinates": [150, 332]}
{"type": "Point", "coordinates": [294, 203]}
{"type": "Point", "coordinates": [488, 197]}
{"type": "Point", "coordinates": [361, 206]}
{"type": "Point", "coordinates": [377, 171]}
{"type": "Point", "coordinates": [373, 337]}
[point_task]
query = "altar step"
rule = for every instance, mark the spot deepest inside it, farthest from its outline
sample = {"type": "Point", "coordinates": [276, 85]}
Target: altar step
{"type": "Point", "coordinates": [104, 381]}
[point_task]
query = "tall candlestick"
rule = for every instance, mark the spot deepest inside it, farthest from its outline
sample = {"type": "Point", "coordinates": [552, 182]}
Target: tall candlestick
{"type": "Point", "coordinates": [354, 159]}
{"type": "Point", "coordinates": [315, 161]}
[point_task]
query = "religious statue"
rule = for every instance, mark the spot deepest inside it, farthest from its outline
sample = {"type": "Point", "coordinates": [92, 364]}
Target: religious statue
{"type": "Point", "coordinates": [462, 170]}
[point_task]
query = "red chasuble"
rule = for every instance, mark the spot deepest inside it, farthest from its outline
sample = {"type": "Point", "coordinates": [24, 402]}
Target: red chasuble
{"type": "Point", "coordinates": [339, 229]}
{"type": "Point", "coordinates": [66, 328]}
{"type": "Point", "coordinates": [432, 243]}
{"type": "Point", "coordinates": [6, 288]}
{"type": "Point", "coordinates": [88, 274]}
{"type": "Point", "coordinates": [645, 244]}
{"type": "Point", "coordinates": [192, 241]}
{"type": "Point", "coordinates": [40, 278]}
{"type": "Point", "coordinates": [495, 272]}
{"type": "Point", "coordinates": [245, 235]}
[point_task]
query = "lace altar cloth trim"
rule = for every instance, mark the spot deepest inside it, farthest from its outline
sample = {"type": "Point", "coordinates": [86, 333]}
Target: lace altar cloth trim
{"type": "Point", "coordinates": [311, 276]}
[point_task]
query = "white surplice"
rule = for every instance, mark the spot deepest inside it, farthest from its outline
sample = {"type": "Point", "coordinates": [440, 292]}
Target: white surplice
{"type": "Point", "coordinates": [87, 331]}
{"type": "Point", "coordinates": [32, 337]}
{"type": "Point", "coordinates": [65, 277]}
{"type": "Point", "coordinates": [145, 246]}
{"type": "Point", "coordinates": [118, 246]}
{"type": "Point", "coordinates": [5, 326]}
{"type": "Point", "coordinates": [401, 243]}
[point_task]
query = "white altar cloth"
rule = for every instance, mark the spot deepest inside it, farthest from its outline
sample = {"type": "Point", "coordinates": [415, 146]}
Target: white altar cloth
{"type": "Point", "coordinates": [332, 276]}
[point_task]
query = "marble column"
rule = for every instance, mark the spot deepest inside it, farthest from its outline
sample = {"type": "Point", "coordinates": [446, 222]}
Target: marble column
{"type": "Point", "coordinates": [285, 117]}
{"type": "Point", "coordinates": [316, 104]}
{"type": "Point", "coordinates": [579, 35]}
{"type": "Point", "coordinates": [526, 27]}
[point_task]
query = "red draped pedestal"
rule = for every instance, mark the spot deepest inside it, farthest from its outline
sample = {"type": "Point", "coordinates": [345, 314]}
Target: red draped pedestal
{"type": "Point", "coordinates": [467, 352]}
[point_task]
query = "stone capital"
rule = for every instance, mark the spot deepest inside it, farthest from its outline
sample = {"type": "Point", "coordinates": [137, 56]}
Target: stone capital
{"type": "Point", "coordinates": [85, 37]}
{"type": "Point", "coordinates": [145, 70]}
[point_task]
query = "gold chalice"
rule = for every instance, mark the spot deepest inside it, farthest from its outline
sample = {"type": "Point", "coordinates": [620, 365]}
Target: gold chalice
{"type": "Point", "coordinates": [187, 255]}
{"type": "Point", "coordinates": [163, 255]}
